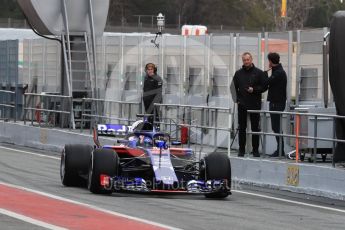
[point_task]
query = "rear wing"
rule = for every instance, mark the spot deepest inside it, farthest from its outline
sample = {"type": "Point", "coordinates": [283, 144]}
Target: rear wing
{"type": "Point", "coordinates": [114, 130]}
{"type": "Point", "coordinates": [110, 130]}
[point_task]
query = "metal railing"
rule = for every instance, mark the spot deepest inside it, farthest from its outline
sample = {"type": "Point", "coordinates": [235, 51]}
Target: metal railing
{"type": "Point", "coordinates": [199, 120]}
{"type": "Point", "coordinates": [50, 110]}
{"type": "Point", "coordinates": [95, 111]}
{"type": "Point", "coordinates": [194, 117]}
{"type": "Point", "coordinates": [296, 135]}
{"type": "Point", "coordinates": [8, 105]}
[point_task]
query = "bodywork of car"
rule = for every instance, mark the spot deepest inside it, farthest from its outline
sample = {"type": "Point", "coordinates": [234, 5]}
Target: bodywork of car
{"type": "Point", "coordinates": [145, 160]}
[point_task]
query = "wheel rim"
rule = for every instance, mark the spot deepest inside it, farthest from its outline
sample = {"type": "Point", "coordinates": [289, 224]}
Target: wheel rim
{"type": "Point", "coordinates": [63, 165]}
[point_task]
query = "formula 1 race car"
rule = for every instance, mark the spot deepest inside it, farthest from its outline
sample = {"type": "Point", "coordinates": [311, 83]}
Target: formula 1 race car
{"type": "Point", "coordinates": [144, 161]}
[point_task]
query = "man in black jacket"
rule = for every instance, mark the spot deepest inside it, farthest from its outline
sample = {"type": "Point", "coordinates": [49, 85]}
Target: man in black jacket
{"type": "Point", "coordinates": [152, 90]}
{"type": "Point", "coordinates": [249, 84]}
{"type": "Point", "coordinates": [276, 84]}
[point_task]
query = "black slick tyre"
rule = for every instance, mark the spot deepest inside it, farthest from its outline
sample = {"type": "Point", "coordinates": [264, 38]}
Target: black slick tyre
{"type": "Point", "coordinates": [74, 163]}
{"type": "Point", "coordinates": [217, 167]}
{"type": "Point", "coordinates": [103, 161]}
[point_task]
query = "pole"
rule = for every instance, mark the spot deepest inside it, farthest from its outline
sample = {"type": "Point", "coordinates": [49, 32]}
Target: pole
{"type": "Point", "coordinates": [297, 136]}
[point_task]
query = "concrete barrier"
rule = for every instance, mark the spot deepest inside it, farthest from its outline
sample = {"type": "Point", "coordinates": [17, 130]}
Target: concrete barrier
{"type": "Point", "coordinates": [307, 178]}
{"type": "Point", "coordinates": [44, 138]}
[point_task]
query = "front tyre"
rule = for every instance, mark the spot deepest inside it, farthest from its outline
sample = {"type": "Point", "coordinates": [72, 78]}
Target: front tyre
{"type": "Point", "coordinates": [103, 161]}
{"type": "Point", "coordinates": [217, 167]}
{"type": "Point", "coordinates": [74, 163]}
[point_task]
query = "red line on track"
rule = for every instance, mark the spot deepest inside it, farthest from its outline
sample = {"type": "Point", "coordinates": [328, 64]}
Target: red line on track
{"type": "Point", "coordinates": [62, 213]}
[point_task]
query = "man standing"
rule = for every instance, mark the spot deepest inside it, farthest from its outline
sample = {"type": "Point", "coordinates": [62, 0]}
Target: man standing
{"type": "Point", "coordinates": [249, 84]}
{"type": "Point", "coordinates": [276, 84]}
{"type": "Point", "coordinates": [152, 90]}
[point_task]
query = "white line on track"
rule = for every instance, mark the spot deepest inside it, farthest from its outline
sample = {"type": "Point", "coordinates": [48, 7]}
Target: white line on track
{"type": "Point", "coordinates": [290, 201]}
{"type": "Point", "coordinates": [30, 220]}
{"type": "Point", "coordinates": [31, 153]}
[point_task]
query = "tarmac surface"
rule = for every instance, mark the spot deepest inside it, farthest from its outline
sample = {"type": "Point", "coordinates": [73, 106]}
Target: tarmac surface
{"type": "Point", "coordinates": [249, 207]}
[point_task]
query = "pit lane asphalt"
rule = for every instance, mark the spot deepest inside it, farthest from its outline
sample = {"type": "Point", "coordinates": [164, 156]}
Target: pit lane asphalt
{"type": "Point", "coordinates": [248, 207]}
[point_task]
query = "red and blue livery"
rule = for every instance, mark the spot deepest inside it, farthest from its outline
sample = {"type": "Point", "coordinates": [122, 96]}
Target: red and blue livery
{"type": "Point", "coordinates": [144, 161]}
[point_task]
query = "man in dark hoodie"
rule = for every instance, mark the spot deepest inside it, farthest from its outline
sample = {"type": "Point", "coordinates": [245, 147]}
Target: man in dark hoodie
{"type": "Point", "coordinates": [276, 84]}
{"type": "Point", "coordinates": [249, 83]}
{"type": "Point", "coordinates": [152, 90]}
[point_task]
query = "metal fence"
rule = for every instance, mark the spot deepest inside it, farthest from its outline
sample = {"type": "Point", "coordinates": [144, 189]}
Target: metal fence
{"type": "Point", "coordinates": [96, 111]}
{"type": "Point", "coordinates": [309, 63]}
{"type": "Point", "coordinates": [204, 125]}
{"type": "Point", "coordinates": [145, 25]}
{"type": "Point", "coordinates": [8, 107]}
{"type": "Point", "coordinates": [196, 70]}
{"type": "Point", "coordinates": [47, 110]}
{"type": "Point", "coordinates": [297, 135]}
{"type": "Point", "coordinates": [41, 65]}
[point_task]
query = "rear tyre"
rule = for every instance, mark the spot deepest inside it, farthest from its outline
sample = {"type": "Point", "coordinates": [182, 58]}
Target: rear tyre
{"type": "Point", "coordinates": [103, 161]}
{"type": "Point", "coordinates": [74, 163]}
{"type": "Point", "coordinates": [217, 167]}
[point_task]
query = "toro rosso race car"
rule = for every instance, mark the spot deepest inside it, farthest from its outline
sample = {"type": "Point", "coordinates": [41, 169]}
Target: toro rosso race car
{"type": "Point", "coordinates": [144, 161]}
